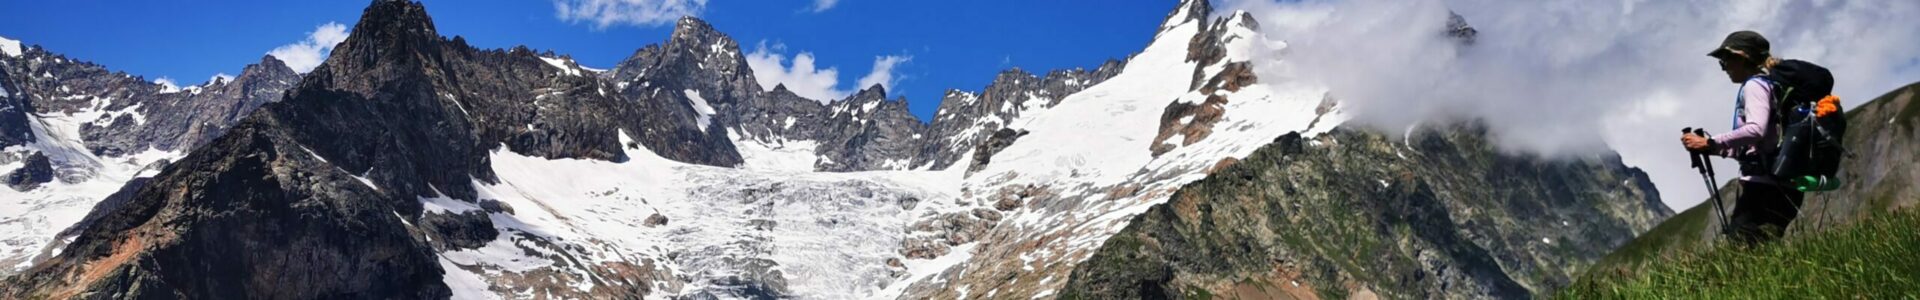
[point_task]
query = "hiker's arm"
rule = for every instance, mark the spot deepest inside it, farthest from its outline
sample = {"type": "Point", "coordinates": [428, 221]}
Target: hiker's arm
{"type": "Point", "coordinates": [1759, 107]}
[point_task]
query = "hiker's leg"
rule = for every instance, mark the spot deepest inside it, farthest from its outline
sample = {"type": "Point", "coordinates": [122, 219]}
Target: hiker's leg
{"type": "Point", "coordinates": [1763, 211]}
{"type": "Point", "coordinates": [1742, 223]}
{"type": "Point", "coordinates": [1791, 200]}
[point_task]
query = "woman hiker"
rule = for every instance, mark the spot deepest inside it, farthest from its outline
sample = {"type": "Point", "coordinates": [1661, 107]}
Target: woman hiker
{"type": "Point", "coordinates": [1766, 205]}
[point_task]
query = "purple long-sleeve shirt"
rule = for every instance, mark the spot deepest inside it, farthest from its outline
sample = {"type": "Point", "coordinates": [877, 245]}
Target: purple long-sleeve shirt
{"type": "Point", "coordinates": [1750, 129]}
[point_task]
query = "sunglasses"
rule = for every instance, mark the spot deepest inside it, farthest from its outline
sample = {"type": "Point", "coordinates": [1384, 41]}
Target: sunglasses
{"type": "Point", "coordinates": [1728, 63]}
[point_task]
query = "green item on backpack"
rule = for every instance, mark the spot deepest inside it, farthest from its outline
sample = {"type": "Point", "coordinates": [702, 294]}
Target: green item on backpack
{"type": "Point", "coordinates": [1815, 183]}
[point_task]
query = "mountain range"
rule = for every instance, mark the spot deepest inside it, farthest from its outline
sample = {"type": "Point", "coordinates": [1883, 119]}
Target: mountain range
{"type": "Point", "coordinates": [414, 165]}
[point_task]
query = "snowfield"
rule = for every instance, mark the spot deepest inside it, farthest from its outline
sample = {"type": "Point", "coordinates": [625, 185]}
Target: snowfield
{"type": "Point", "coordinates": [827, 234]}
{"type": "Point", "coordinates": [33, 217]}
{"type": "Point", "coordinates": [774, 225]}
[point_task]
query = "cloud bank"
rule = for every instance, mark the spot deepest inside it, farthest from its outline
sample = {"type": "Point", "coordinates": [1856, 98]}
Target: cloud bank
{"type": "Point", "coordinates": [1571, 78]}
{"type": "Point", "coordinates": [607, 13]}
{"type": "Point", "coordinates": [306, 54]}
{"type": "Point", "coordinates": [772, 67]}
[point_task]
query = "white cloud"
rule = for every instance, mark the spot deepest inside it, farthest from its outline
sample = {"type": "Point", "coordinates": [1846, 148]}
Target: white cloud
{"type": "Point", "coordinates": [882, 73]}
{"type": "Point", "coordinates": [1564, 78]}
{"type": "Point", "coordinates": [9, 47]}
{"type": "Point", "coordinates": [771, 67]}
{"type": "Point", "coordinates": [606, 13]}
{"type": "Point", "coordinates": [167, 85]}
{"type": "Point", "coordinates": [306, 54]}
{"type": "Point", "coordinates": [220, 77]}
{"type": "Point", "coordinates": [823, 5]}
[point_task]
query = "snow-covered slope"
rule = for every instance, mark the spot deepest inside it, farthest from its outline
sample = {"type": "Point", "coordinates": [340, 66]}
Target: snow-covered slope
{"type": "Point", "coordinates": [1086, 167]}
{"type": "Point", "coordinates": [725, 232]}
{"type": "Point", "coordinates": [35, 216]}
{"type": "Point", "coordinates": [1011, 229]}
{"type": "Point", "coordinates": [9, 47]}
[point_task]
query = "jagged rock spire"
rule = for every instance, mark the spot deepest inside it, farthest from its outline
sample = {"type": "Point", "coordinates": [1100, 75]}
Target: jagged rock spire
{"type": "Point", "coordinates": [1188, 11]}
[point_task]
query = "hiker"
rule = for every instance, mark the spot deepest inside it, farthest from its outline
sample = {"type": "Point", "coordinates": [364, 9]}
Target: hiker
{"type": "Point", "coordinates": [1765, 205]}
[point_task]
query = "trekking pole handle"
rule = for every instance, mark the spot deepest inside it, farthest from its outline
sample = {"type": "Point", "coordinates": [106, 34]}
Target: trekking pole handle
{"type": "Point", "coordinates": [1691, 155]}
{"type": "Point", "coordinates": [1706, 161]}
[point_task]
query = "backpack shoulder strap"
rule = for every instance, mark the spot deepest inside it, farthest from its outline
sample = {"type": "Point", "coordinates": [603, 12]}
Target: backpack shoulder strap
{"type": "Point", "coordinates": [1740, 99]}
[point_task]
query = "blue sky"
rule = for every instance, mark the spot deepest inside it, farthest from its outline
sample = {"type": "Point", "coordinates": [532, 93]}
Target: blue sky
{"type": "Point", "coordinates": [938, 45]}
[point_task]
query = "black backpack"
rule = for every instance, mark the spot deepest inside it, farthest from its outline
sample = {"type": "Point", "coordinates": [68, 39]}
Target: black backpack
{"type": "Point", "coordinates": [1809, 145]}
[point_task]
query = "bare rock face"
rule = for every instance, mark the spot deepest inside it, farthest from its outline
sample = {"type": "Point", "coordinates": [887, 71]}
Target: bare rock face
{"type": "Point", "coordinates": [14, 108]}
{"type": "Point", "coordinates": [305, 226]}
{"type": "Point", "coordinates": [140, 115]}
{"type": "Point", "coordinates": [192, 117]}
{"type": "Point", "coordinates": [466, 230]}
{"type": "Point", "coordinates": [1000, 140]}
{"type": "Point", "coordinates": [656, 220]}
{"type": "Point", "coordinates": [1444, 215]}
{"type": "Point", "coordinates": [37, 170]}
{"type": "Point", "coordinates": [1193, 122]}
{"type": "Point", "coordinates": [868, 132]}
{"type": "Point", "coordinates": [679, 89]}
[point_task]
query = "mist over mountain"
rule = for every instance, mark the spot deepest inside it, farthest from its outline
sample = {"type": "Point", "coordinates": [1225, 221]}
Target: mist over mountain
{"type": "Point", "coordinates": [1570, 79]}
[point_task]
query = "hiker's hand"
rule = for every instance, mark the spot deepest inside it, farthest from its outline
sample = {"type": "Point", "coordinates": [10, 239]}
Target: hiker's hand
{"type": "Point", "coordinates": [1695, 143]}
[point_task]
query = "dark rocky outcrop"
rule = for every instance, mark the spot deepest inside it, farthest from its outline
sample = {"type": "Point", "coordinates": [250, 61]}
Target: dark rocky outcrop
{"type": "Point", "coordinates": [14, 110]}
{"type": "Point", "coordinates": [142, 114]}
{"type": "Point", "coordinates": [1000, 140]}
{"type": "Point", "coordinates": [868, 132]}
{"type": "Point", "coordinates": [1351, 212]}
{"type": "Point", "coordinates": [36, 169]}
{"type": "Point", "coordinates": [1458, 28]}
{"type": "Point", "coordinates": [662, 81]}
{"type": "Point", "coordinates": [185, 119]}
{"type": "Point", "coordinates": [249, 216]}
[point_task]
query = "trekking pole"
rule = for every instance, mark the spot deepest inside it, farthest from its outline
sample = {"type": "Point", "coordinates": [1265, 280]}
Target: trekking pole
{"type": "Point", "coordinates": [1704, 163]}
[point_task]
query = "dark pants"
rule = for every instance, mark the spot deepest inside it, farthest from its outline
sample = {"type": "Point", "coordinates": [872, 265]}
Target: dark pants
{"type": "Point", "coordinates": [1763, 211]}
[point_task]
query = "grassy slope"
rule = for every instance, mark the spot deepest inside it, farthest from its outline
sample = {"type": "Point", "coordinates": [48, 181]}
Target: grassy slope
{"type": "Point", "coordinates": [1871, 259]}
{"type": "Point", "coordinates": [1680, 231]}
{"type": "Point", "coordinates": [1685, 232]}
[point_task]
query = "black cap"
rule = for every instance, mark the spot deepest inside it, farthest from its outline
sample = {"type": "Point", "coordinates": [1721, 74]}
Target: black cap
{"type": "Point", "coordinates": [1746, 42]}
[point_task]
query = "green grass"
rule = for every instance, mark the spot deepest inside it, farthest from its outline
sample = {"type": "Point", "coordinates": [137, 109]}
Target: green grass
{"type": "Point", "coordinates": [1682, 232]}
{"type": "Point", "coordinates": [1877, 258]}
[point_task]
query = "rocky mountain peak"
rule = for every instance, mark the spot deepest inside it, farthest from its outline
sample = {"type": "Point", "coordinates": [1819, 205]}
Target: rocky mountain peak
{"type": "Point", "coordinates": [1458, 28]}
{"type": "Point", "coordinates": [391, 35]}
{"type": "Point", "coordinates": [697, 58]}
{"type": "Point", "coordinates": [1188, 11]}
{"type": "Point", "coordinates": [395, 14]}
{"type": "Point", "coordinates": [1244, 19]}
{"type": "Point", "coordinates": [713, 47]}
{"type": "Point", "coordinates": [1012, 76]}
{"type": "Point", "coordinates": [269, 67]}
{"type": "Point", "coordinates": [692, 27]}
{"type": "Point", "coordinates": [871, 93]}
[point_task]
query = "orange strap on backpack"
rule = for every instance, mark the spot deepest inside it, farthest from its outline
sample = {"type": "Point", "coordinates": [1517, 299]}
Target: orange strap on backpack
{"type": "Point", "coordinates": [1827, 105]}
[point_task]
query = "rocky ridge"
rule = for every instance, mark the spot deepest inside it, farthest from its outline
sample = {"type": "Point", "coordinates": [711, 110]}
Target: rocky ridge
{"type": "Point", "coordinates": [73, 132]}
{"type": "Point", "coordinates": [1353, 212]}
